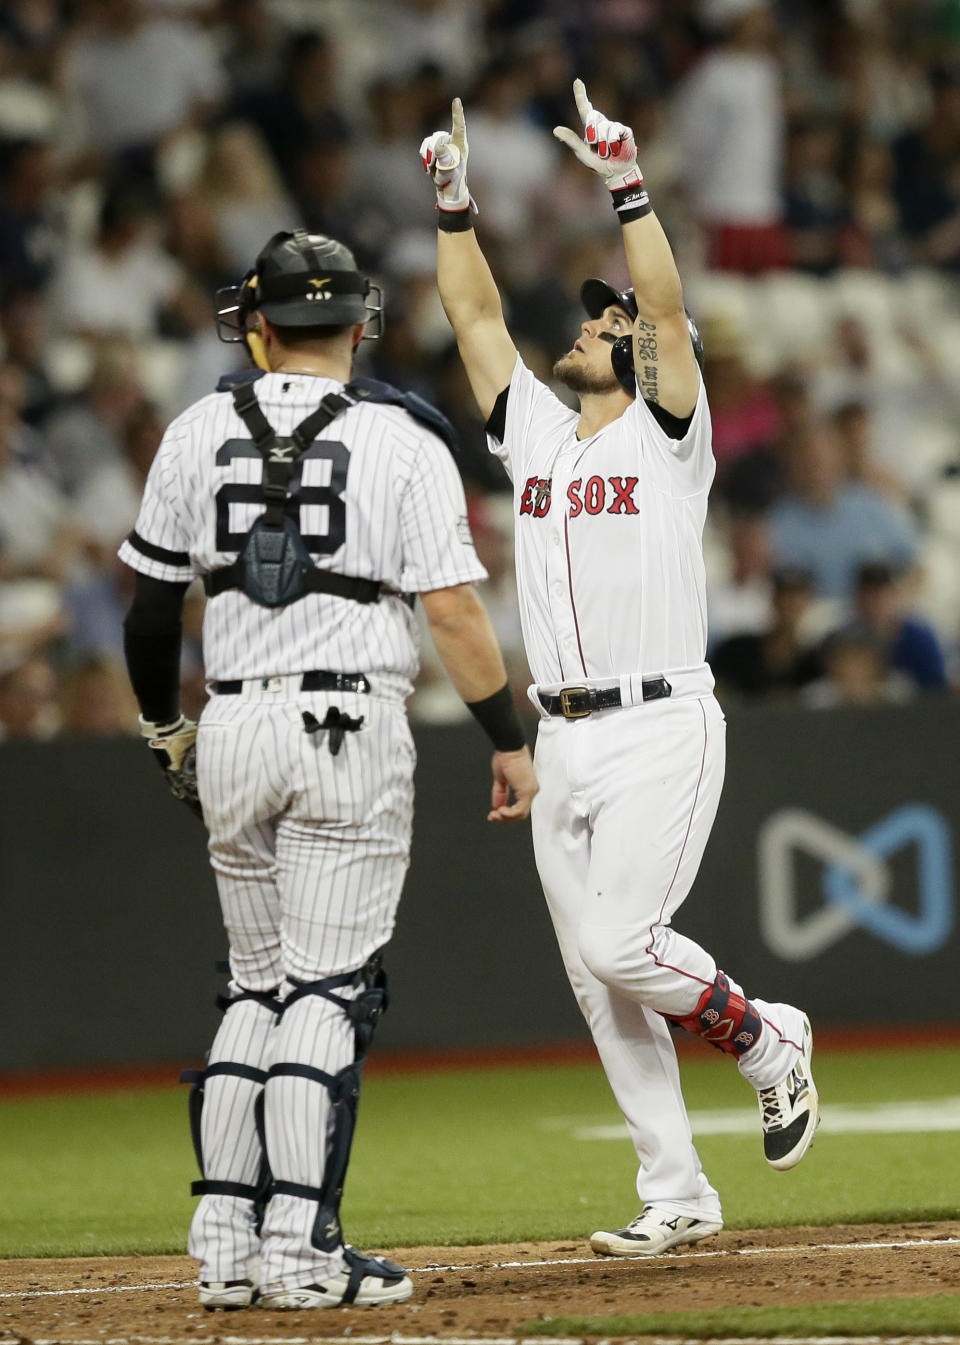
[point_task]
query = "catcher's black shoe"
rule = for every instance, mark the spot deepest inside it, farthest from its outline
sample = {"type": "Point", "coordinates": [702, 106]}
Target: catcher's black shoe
{"type": "Point", "coordinates": [227, 1294]}
{"type": "Point", "coordinates": [654, 1231]}
{"type": "Point", "coordinates": [790, 1111]}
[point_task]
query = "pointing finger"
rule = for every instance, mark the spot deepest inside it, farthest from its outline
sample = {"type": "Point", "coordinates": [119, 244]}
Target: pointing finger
{"type": "Point", "coordinates": [459, 125]}
{"type": "Point", "coordinates": [584, 106]}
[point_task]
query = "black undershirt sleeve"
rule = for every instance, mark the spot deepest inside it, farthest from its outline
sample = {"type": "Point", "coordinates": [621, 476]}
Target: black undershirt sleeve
{"type": "Point", "coordinates": [152, 634]}
{"type": "Point", "coordinates": [674, 426]}
{"type": "Point", "coordinates": [497, 420]}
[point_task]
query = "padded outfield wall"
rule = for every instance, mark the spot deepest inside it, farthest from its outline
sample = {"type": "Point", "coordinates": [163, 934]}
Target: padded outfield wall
{"type": "Point", "coordinates": [830, 880]}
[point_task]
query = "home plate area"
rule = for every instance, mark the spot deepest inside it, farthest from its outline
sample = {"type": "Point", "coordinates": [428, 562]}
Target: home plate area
{"type": "Point", "coordinates": [483, 1294]}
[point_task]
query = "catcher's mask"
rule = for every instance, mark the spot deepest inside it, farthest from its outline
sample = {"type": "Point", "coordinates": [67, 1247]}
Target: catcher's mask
{"type": "Point", "coordinates": [596, 295]}
{"type": "Point", "coordinates": [299, 280]}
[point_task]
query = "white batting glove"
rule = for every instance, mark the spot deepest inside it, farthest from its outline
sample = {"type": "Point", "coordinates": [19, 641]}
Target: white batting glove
{"type": "Point", "coordinates": [609, 149]}
{"type": "Point", "coordinates": [444, 157]}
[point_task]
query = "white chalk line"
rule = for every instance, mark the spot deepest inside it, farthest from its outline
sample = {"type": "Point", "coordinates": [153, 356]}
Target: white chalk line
{"type": "Point", "coordinates": [837, 1118]}
{"type": "Point", "coordinates": [607, 1261]}
{"type": "Point", "coordinates": [104, 1289]}
{"type": "Point", "coordinates": [702, 1256]}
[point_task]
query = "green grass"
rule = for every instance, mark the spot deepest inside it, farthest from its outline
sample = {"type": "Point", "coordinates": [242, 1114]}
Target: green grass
{"type": "Point", "coordinates": [939, 1314]}
{"type": "Point", "coordinates": [470, 1156]}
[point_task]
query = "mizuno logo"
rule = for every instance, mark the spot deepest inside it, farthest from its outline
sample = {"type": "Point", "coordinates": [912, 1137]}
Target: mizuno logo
{"type": "Point", "coordinates": [796, 1087]}
{"type": "Point", "coordinates": [281, 453]}
{"type": "Point", "coordinates": [318, 292]}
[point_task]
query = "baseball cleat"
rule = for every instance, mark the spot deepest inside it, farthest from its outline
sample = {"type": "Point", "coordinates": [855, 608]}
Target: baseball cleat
{"type": "Point", "coordinates": [366, 1282]}
{"type": "Point", "coordinates": [654, 1231]}
{"type": "Point", "coordinates": [790, 1111]}
{"type": "Point", "coordinates": [227, 1294]}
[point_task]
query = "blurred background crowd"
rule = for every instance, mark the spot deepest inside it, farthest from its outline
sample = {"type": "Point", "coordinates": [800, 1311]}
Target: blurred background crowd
{"type": "Point", "coordinates": [803, 155]}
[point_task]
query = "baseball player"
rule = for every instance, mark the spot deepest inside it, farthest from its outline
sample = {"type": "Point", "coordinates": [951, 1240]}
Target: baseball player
{"type": "Point", "coordinates": [315, 507]}
{"type": "Point", "coordinates": [610, 503]}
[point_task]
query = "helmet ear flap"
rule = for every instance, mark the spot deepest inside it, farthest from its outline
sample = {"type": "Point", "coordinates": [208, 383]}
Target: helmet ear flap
{"type": "Point", "coordinates": [258, 351]}
{"type": "Point", "coordinates": [621, 357]}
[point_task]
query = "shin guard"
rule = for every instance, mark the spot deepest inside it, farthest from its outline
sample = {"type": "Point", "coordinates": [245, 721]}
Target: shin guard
{"type": "Point", "coordinates": [363, 1011]}
{"type": "Point", "coordinates": [233, 1123]}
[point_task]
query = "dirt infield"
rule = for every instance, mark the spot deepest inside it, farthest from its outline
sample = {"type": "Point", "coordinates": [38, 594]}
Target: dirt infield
{"type": "Point", "coordinates": [484, 1292]}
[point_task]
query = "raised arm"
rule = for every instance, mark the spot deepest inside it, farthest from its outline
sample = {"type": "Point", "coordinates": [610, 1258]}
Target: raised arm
{"type": "Point", "coordinates": [468, 291]}
{"type": "Point", "coordinates": [663, 353]}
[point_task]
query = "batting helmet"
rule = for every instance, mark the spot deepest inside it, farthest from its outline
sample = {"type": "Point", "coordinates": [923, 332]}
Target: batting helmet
{"type": "Point", "coordinates": [596, 295]}
{"type": "Point", "coordinates": [299, 280]}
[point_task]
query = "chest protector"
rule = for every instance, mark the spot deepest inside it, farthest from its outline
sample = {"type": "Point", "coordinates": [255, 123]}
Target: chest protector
{"type": "Point", "coordinates": [274, 567]}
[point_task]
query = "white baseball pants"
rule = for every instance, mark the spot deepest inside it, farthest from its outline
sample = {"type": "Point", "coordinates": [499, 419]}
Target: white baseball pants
{"type": "Point", "coordinates": [627, 800]}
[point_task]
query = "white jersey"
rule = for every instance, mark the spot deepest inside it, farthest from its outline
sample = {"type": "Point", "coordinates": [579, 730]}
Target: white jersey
{"type": "Point", "coordinates": [379, 498]}
{"type": "Point", "coordinates": [609, 530]}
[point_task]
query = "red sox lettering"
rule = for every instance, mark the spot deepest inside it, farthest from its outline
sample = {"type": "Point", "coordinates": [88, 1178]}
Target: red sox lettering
{"type": "Point", "coordinates": [596, 495]}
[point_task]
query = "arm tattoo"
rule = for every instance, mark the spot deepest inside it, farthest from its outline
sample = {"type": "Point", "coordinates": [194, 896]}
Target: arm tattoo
{"type": "Point", "coordinates": [646, 358]}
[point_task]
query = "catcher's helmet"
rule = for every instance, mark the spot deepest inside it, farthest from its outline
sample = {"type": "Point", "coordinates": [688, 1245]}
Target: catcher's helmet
{"type": "Point", "coordinates": [300, 280]}
{"type": "Point", "coordinates": [596, 295]}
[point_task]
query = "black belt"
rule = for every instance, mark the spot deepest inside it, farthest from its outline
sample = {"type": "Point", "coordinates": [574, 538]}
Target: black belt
{"type": "Point", "coordinates": [578, 702]}
{"type": "Point", "coordinates": [311, 681]}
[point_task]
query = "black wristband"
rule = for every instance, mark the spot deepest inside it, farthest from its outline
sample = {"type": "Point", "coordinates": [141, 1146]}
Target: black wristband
{"type": "Point", "coordinates": [454, 221]}
{"type": "Point", "coordinates": [631, 203]}
{"type": "Point", "coordinates": [497, 716]}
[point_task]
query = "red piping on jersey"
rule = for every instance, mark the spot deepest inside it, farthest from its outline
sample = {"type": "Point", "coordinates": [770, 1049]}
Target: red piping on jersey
{"type": "Point", "coordinates": [649, 948]}
{"type": "Point", "coordinates": [553, 626]}
{"type": "Point", "coordinates": [573, 605]}
{"type": "Point", "coordinates": [566, 538]}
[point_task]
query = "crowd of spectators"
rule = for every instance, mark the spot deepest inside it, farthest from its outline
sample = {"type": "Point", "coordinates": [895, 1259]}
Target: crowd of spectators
{"type": "Point", "coordinates": [804, 156]}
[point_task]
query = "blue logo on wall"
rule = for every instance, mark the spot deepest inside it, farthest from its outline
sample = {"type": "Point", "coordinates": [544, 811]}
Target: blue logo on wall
{"type": "Point", "coordinates": [913, 824]}
{"type": "Point", "coordinates": [857, 881]}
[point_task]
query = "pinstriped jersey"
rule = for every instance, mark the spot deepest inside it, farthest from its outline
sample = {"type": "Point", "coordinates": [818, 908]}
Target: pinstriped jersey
{"type": "Point", "coordinates": [377, 496]}
{"type": "Point", "coordinates": [609, 530]}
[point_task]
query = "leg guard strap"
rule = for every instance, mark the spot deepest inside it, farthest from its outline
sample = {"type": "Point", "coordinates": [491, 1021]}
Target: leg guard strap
{"type": "Point", "coordinates": [297, 1189]}
{"type": "Point", "coordinates": [238, 1070]}
{"type": "Point", "coordinates": [365, 1010]}
{"type": "Point", "coordinates": [304, 1072]}
{"type": "Point", "coordinates": [362, 1267]}
{"type": "Point", "coordinates": [344, 1090]}
{"type": "Point", "coordinates": [322, 987]}
{"type": "Point", "coordinates": [208, 1188]}
{"type": "Point", "coordinates": [266, 998]}
{"type": "Point", "coordinates": [724, 1019]}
